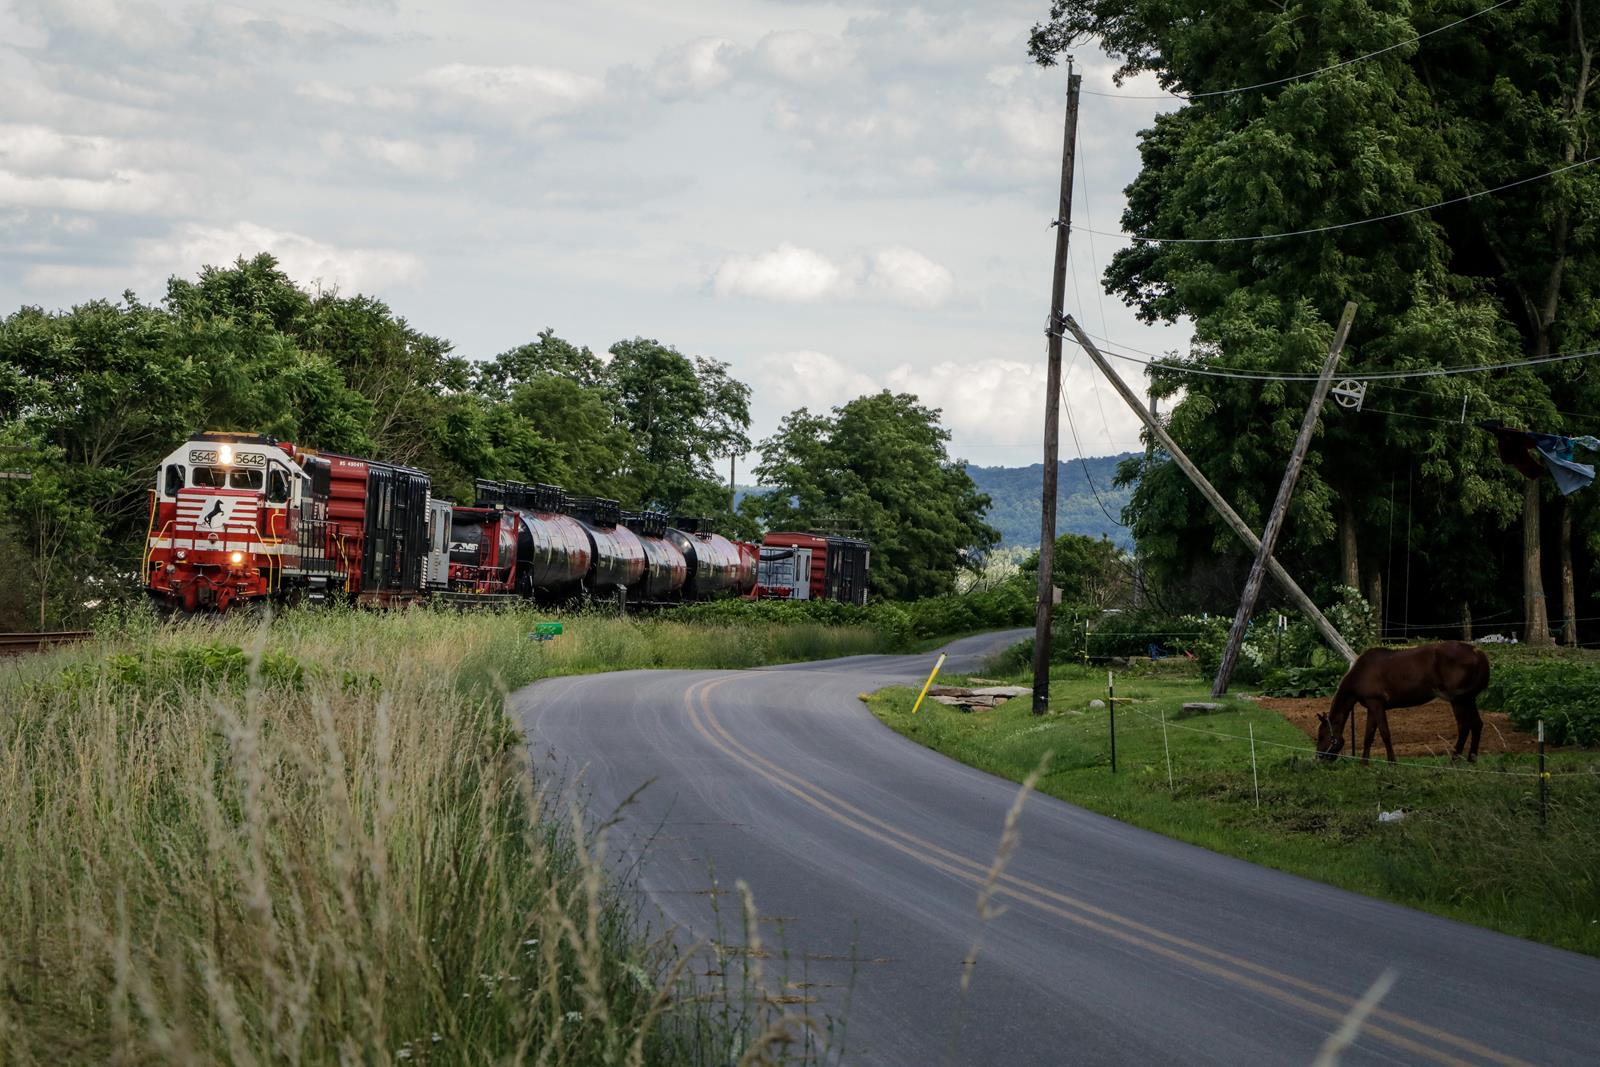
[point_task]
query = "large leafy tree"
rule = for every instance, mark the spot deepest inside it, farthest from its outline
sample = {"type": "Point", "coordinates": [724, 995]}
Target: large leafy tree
{"type": "Point", "coordinates": [683, 413]}
{"type": "Point", "coordinates": [878, 466]}
{"type": "Point", "coordinates": [1488, 279]}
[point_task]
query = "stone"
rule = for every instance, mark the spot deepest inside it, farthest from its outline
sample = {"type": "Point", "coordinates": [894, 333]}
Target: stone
{"type": "Point", "coordinates": [1199, 707]}
{"type": "Point", "coordinates": [1097, 703]}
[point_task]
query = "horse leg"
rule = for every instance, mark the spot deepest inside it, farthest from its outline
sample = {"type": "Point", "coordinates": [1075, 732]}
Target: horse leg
{"type": "Point", "coordinates": [1383, 728]}
{"type": "Point", "coordinates": [1477, 728]}
{"type": "Point", "coordinates": [1464, 714]}
{"type": "Point", "coordinates": [1374, 716]}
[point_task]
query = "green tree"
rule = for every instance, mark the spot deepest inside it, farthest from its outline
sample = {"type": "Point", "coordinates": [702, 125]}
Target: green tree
{"type": "Point", "coordinates": [549, 356]}
{"type": "Point", "coordinates": [1495, 100]}
{"type": "Point", "coordinates": [683, 415]}
{"type": "Point", "coordinates": [878, 465]}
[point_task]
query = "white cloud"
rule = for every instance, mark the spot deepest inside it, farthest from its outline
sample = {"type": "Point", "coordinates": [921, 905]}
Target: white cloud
{"type": "Point", "coordinates": [787, 273]}
{"type": "Point", "coordinates": [129, 192]}
{"type": "Point", "coordinates": [305, 259]}
{"type": "Point", "coordinates": [908, 276]}
{"type": "Point", "coordinates": [34, 149]}
{"type": "Point", "coordinates": [814, 380]}
{"type": "Point", "coordinates": [693, 68]}
{"type": "Point", "coordinates": [793, 274]}
{"type": "Point", "coordinates": [530, 92]}
{"type": "Point", "coordinates": [804, 58]}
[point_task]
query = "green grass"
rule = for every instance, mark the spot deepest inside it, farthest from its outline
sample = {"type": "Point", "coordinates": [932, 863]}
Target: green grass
{"type": "Point", "coordinates": [1470, 846]}
{"type": "Point", "coordinates": [318, 841]}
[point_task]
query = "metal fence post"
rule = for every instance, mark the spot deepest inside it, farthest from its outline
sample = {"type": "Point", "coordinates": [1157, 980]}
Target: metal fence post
{"type": "Point", "coordinates": [1111, 705]}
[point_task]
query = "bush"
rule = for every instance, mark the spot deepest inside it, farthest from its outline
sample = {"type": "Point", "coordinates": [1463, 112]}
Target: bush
{"type": "Point", "coordinates": [1564, 693]}
{"type": "Point", "coordinates": [1318, 681]}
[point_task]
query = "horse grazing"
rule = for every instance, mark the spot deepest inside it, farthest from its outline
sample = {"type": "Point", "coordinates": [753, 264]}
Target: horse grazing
{"type": "Point", "coordinates": [1384, 678]}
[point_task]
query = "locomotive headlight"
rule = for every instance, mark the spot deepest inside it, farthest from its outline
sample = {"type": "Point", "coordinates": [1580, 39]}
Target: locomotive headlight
{"type": "Point", "coordinates": [225, 453]}
{"type": "Point", "coordinates": [237, 557]}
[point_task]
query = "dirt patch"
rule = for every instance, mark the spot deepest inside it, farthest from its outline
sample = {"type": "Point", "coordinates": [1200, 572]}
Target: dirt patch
{"type": "Point", "coordinates": [1429, 730]}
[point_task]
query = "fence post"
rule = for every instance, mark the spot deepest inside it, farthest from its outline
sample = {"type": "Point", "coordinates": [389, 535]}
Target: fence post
{"type": "Point", "coordinates": [1167, 747]}
{"type": "Point", "coordinates": [1111, 705]}
{"type": "Point", "coordinates": [1544, 776]}
{"type": "Point", "coordinates": [1254, 777]}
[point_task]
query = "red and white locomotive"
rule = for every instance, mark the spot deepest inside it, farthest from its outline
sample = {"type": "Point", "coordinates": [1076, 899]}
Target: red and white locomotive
{"type": "Point", "coordinates": [240, 518]}
{"type": "Point", "coordinates": [236, 518]}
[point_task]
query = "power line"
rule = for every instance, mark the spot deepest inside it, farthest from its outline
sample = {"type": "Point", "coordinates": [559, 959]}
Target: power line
{"type": "Point", "coordinates": [1348, 373]}
{"type": "Point", "coordinates": [1062, 394]}
{"type": "Point", "coordinates": [1307, 74]}
{"type": "Point", "coordinates": [1135, 239]}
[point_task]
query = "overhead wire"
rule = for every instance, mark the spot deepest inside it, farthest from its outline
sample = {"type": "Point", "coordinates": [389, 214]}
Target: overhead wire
{"type": "Point", "coordinates": [1308, 74]}
{"type": "Point", "coordinates": [1351, 373]}
{"type": "Point", "coordinates": [1136, 239]}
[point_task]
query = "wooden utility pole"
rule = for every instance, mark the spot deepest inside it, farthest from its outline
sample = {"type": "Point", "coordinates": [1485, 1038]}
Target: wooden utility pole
{"type": "Point", "coordinates": [1052, 409]}
{"type": "Point", "coordinates": [1209, 491]}
{"type": "Point", "coordinates": [733, 495]}
{"type": "Point", "coordinates": [1280, 506]}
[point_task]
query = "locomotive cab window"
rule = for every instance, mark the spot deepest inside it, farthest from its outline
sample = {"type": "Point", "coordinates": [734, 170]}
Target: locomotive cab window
{"type": "Point", "coordinates": [277, 485]}
{"type": "Point", "coordinates": [245, 479]}
{"type": "Point", "coordinates": [210, 478]}
{"type": "Point", "coordinates": [175, 478]}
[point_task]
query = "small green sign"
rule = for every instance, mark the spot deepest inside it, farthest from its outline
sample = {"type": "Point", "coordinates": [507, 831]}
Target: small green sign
{"type": "Point", "coordinates": [544, 631]}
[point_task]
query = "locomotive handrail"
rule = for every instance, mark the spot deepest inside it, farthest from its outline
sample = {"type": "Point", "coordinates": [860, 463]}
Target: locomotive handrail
{"type": "Point", "coordinates": [148, 569]}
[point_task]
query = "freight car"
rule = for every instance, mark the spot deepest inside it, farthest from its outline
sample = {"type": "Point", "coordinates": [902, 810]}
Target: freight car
{"type": "Point", "coordinates": [803, 566]}
{"type": "Point", "coordinates": [241, 518]}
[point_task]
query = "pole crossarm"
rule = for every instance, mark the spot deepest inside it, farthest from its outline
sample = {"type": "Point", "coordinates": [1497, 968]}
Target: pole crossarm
{"type": "Point", "coordinates": [1329, 632]}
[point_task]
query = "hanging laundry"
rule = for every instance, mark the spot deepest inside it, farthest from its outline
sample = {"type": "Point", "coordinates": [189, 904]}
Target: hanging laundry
{"type": "Point", "coordinates": [1534, 453]}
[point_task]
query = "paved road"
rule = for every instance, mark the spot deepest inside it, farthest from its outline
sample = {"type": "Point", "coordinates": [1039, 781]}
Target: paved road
{"type": "Point", "coordinates": [866, 853]}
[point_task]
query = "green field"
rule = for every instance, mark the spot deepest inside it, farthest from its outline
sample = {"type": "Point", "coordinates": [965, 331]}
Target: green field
{"type": "Point", "coordinates": [1469, 847]}
{"type": "Point", "coordinates": [317, 840]}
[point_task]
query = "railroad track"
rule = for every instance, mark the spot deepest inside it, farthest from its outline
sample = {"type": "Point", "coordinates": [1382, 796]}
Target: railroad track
{"type": "Point", "coordinates": [16, 644]}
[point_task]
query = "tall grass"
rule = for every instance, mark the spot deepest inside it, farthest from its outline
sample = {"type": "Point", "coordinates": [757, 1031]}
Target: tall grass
{"type": "Point", "coordinates": [319, 841]}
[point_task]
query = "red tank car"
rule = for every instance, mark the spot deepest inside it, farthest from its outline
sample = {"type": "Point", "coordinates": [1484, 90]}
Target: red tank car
{"type": "Point", "coordinates": [239, 518]}
{"type": "Point", "coordinates": [534, 550]}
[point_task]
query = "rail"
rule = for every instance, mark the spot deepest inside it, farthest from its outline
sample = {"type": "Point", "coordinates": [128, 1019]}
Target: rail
{"type": "Point", "coordinates": [16, 644]}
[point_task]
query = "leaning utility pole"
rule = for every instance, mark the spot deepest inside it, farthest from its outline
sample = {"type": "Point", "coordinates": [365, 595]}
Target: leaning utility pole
{"type": "Point", "coordinates": [1280, 507]}
{"type": "Point", "coordinates": [1052, 409]}
{"type": "Point", "coordinates": [1209, 491]}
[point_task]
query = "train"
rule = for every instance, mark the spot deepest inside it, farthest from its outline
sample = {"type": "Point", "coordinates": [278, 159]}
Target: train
{"type": "Point", "coordinates": [244, 519]}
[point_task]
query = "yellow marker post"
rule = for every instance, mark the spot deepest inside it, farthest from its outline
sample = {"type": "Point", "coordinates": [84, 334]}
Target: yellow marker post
{"type": "Point", "coordinates": [928, 684]}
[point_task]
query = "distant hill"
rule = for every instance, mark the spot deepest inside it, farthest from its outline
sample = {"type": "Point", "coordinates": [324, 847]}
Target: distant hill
{"type": "Point", "coordinates": [1015, 492]}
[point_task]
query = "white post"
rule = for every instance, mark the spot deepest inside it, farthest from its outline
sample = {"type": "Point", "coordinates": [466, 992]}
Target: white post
{"type": "Point", "coordinates": [1167, 747]}
{"type": "Point", "coordinates": [1253, 777]}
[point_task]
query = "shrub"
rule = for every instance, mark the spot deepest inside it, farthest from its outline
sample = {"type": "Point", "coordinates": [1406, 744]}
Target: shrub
{"type": "Point", "coordinates": [1564, 693]}
{"type": "Point", "coordinates": [1318, 681]}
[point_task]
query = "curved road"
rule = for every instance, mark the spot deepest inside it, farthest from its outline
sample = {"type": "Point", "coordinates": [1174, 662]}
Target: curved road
{"type": "Point", "coordinates": [866, 855]}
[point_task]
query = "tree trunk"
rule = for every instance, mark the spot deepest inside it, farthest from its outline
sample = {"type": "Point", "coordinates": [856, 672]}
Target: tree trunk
{"type": "Point", "coordinates": [1349, 561]}
{"type": "Point", "coordinates": [1536, 618]}
{"type": "Point", "coordinates": [1375, 598]}
{"type": "Point", "coordinates": [1569, 603]}
{"type": "Point", "coordinates": [1466, 620]}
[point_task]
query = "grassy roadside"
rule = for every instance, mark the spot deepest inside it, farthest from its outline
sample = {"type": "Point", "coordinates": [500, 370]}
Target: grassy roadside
{"type": "Point", "coordinates": [1469, 847]}
{"type": "Point", "coordinates": [317, 841]}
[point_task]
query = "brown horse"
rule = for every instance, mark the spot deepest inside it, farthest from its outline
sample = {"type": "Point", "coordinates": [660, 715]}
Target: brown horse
{"type": "Point", "coordinates": [1384, 678]}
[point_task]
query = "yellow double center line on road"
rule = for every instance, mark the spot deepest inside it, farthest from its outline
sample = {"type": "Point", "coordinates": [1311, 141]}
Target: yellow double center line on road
{"type": "Point", "coordinates": [1227, 966]}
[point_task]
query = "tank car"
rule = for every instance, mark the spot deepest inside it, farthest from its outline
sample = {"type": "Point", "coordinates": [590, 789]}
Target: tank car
{"type": "Point", "coordinates": [717, 566]}
{"type": "Point", "coordinates": [553, 553]}
{"type": "Point", "coordinates": [665, 567]}
{"type": "Point", "coordinates": [619, 559]}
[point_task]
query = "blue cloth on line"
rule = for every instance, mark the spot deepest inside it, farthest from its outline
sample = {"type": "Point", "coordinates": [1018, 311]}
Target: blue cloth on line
{"type": "Point", "coordinates": [1556, 451]}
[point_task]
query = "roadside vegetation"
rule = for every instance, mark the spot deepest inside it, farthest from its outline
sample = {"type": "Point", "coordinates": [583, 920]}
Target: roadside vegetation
{"type": "Point", "coordinates": [319, 841]}
{"type": "Point", "coordinates": [1469, 845]}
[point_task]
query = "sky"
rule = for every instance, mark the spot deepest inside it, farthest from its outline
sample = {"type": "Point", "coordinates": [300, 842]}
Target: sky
{"type": "Point", "coordinates": [831, 198]}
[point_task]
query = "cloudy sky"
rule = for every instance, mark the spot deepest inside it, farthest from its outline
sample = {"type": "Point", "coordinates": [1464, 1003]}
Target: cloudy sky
{"type": "Point", "coordinates": [833, 198]}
